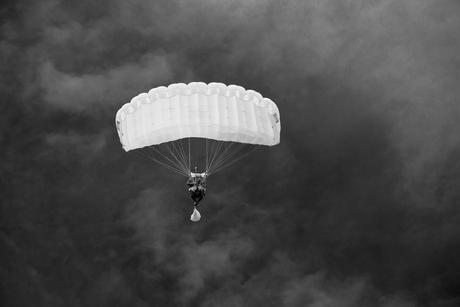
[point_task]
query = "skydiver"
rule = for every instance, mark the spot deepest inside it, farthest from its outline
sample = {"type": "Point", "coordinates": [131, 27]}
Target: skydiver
{"type": "Point", "coordinates": [197, 188]}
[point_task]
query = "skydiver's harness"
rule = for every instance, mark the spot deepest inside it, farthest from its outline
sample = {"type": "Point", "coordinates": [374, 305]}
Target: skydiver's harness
{"type": "Point", "coordinates": [197, 183]}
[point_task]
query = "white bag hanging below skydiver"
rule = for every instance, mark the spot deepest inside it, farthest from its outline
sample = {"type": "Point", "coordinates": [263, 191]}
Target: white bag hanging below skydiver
{"type": "Point", "coordinates": [196, 216]}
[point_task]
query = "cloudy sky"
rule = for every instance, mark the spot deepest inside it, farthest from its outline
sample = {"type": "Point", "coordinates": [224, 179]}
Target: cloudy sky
{"type": "Point", "coordinates": [357, 206]}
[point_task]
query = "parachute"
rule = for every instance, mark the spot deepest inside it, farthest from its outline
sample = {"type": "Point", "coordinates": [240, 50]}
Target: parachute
{"type": "Point", "coordinates": [183, 125]}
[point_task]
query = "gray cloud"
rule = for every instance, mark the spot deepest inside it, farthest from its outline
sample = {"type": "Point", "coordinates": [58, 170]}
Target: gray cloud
{"type": "Point", "coordinates": [357, 206]}
{"type": "Point", "coordinates": [81, 92]}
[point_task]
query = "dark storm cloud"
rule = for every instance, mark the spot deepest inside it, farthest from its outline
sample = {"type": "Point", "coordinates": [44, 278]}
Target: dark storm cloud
{"type": "Point", "coordinates": [356, 207]}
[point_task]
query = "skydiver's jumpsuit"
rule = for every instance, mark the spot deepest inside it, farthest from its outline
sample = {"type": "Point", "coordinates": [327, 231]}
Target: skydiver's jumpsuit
{"type": "Point", "coordinates": [197, 190]}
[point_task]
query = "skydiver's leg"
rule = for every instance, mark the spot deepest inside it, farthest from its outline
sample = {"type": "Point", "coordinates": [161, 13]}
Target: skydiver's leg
{"type": "Point", "coordinates": [200, 198]}
{"type": "Point", "coordinates": [196, 200]}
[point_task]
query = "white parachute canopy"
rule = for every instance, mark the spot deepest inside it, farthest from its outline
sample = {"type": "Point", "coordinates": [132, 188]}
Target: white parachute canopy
{"type": "Point", "coordinates": [229, 121]}
{"type": "Point", "coordinates": [196, 216]}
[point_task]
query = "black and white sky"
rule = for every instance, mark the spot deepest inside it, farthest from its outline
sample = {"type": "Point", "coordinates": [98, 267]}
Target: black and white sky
{"type": "Point", "coordinates": [357, 206]}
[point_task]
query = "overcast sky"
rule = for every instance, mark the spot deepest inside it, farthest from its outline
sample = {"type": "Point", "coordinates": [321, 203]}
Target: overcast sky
{"type": "Point", "coordinates": [357, 206]}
